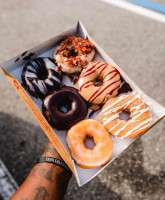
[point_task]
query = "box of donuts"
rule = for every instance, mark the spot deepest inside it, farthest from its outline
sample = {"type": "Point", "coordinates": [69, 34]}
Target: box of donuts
{"type": "Point", "coordinates": [87, 106]}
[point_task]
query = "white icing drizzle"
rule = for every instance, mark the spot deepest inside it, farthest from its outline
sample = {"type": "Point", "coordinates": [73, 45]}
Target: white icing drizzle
{"type": "Point", "coordinates": [120, 98]}
{"type": "Point", "coordinates": [121, 84]}
{"type": "Point", "coordinates": [123, 106]}
{"type": "Point", "coordinates": [136, 113]}
{"type": "Point", "coordinates": [29, 67]}
{"type": "Point", "coordinates": [115, 126]}
{"type": "Point", "coordinates": [132, 120]}
{"type": "Point", "coordinates": [49, 82]}
{"type": "Point", "coordinates": [49, 64]}
{"type": "Point", "coordinates": [56, 79]}
{"type": "Point", "coordinates": [146, 126]}
{"type": "Point", "coordinates": [111, 119]}
{"type": "Point", "coordinates": [135, 128]}
{"type": "Point", "coordinates": [136, 108]}
{"type": "Point", "coordinates": [41, 87]}
{"type": "Point", "coordinates": [29, 84]}
{"type": "Point", "coordinates": [31, 75]}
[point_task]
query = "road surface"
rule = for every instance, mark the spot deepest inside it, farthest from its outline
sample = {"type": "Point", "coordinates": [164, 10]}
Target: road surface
{"type": "Point", "coordinates": [137, 45]}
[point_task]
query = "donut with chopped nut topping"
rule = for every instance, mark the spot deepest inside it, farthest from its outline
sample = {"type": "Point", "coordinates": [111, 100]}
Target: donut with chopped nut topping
{"type": "Point", "coordinates": [73, 53]}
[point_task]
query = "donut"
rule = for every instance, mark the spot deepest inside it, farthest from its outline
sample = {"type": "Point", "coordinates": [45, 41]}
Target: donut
{"type": "Point", "coordinates": [40, 78]}
{"type": "Point", "coordinates": [138, 122]}
{"type": "Point", "coordinates": [74, 53]}
{"type": "Point", "coordinates": [89, 158]}
{"type": "Point", "coordinates": [106, 75]}
{"type": "Point", "coordinates": [64, 108]}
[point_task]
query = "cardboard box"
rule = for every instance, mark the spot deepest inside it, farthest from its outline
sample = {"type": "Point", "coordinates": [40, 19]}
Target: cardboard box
{"type": "Point", "coordinates": [13, 69]}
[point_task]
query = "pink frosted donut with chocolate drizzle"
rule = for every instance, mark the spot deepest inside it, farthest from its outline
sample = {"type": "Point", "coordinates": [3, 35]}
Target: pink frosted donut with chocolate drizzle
{"type": "Point", "coordinates": [98, 82]}
{"type": "Point", "coordinates": [138, 122]}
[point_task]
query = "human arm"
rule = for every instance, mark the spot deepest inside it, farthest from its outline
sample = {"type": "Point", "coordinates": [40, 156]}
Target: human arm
{"type": "Point", "coordinates": [46, 181]}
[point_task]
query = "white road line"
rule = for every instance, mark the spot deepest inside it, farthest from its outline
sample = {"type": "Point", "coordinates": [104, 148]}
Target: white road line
{"type": "Point", "coordinates": [7, 184]}
{"type": "Point", "coordinates": [137, 9]}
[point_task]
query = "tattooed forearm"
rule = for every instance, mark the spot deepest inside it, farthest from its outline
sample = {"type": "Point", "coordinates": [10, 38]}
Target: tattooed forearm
{"type": "Point", "coordinates": [49, 174]}
{"type": "Point", "coordinates": [41, 194]}
{"type": "Point", "coordinates": [40, 171]}
{"type": "Point", "coordinates": [46, 181]}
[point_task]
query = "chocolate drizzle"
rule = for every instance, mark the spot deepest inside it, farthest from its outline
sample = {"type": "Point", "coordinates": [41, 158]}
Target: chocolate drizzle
{"type": "Point", "coordinates": [23, 54]}
{"type": "Point", "coordinates": [17, 59]}
{"type": "Point", "coordinates": [29, 56]}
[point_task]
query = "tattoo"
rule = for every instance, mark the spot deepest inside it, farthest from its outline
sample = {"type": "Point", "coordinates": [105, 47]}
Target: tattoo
{"type": "Point", "coordinates": [42, 193]}
{"type": "Point", "coordinates": [51, 150]}
{"type": "Point", "coordinates": [49, 174]}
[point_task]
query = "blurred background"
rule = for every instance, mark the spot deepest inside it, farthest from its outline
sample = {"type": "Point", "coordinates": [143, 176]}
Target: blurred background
{"type": "Point", "coordinates": [135, 42]}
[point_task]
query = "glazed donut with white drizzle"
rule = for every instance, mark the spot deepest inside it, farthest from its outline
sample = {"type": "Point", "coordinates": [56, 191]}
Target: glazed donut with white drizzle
{"type": "Point", "coordinates": [109, 79]}
{"type": "Point", "coordinates": [40, 78]}
{"type": "Point", "coordinates": [139, 121]}
{"type": "Point", "coordinates": [73, 53]}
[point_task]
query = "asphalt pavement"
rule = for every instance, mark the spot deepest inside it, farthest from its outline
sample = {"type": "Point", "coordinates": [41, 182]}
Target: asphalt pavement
{"type": "Point", "coordinates": [136, 44]}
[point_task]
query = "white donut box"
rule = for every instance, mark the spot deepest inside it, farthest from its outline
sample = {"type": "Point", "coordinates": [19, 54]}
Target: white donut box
{"type": "Point", "coordinates": [13, 68]}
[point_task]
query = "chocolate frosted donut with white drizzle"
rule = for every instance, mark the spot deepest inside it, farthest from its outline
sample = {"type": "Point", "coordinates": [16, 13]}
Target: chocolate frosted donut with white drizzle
{"type": "Point", "coordinates": [138, 122]}
{"type": "Point", "coordinates": [98, 82]}
{"type": "Point", "coordinates": [40, 78]}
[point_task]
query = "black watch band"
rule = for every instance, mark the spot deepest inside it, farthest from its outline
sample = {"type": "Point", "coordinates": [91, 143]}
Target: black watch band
{"type": "Point", "coordinates": [54, 161]}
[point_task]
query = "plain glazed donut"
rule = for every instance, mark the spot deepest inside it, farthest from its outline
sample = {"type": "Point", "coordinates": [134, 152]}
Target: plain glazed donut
{"type": "Point", "coordinates": [74, 53]}
{"type": "Point", "coordinates": [40, 78]}
{"type": "Point", "coordinates": [98, 71]}
{"type": "Point", "coordinates": [138, 123]}
{"type": "Point", "coordinates": [64, 108]}
{"type": "Point", "coordinates": [89, 158]}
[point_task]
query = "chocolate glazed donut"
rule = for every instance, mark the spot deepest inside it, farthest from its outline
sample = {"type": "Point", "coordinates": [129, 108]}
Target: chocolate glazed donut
{"type": "Point", "coordinates": [64, 108]}
{"type": "Point", "coordinates": [40, 78]}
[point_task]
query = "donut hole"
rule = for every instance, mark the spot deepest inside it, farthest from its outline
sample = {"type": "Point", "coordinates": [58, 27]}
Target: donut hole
{"type": "Point", "coordinates": [72, 53]}
{"type": "Point", "coordinates": [124, 115]}
{"type": "Point", "coordinates": [64, 106]}
{"type": "Point", "coordinates": [98, 81]}
{"type": "Point", "coordinates": [42, 74]}
{"type": "Point", "coordinates": [89, 142]}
